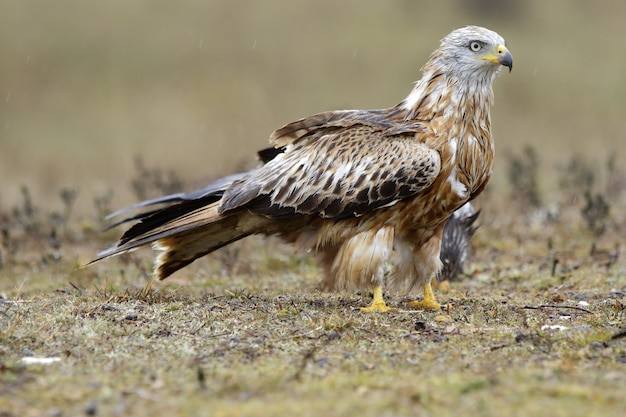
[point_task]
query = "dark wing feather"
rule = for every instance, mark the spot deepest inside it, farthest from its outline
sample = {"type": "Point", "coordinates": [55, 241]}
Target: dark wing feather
{"type": "Point", "coordinates": [176, 213]}
{"type": "Point", "coordinates": [215, 190]}
{"type": "Point", "coordinates": [455, 244]}
{"type": "Point", "coordinates": [211, 193]}
{"type": "Point", "coordinates": [267, 154]}
{"type": "Point", "coordinates": [200, 219]}
{"type": "Point", "coordinates": [340, 171]}
{"type": "Point", "coordinates": [156, 218]}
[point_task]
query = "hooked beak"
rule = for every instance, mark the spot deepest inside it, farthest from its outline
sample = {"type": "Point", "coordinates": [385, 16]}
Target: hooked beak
{"type": "Point", "coordinates": [500, 56]}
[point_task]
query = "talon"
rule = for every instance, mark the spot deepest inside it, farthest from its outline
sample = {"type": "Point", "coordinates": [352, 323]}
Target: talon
{"type": "Point", "coordinates": [425, 305]}
{"type": "Point", "coordinates": [378, 303]}
{"type": "Point", "coordinates": [429, 302]}
{"type": "Point", "coordinates": [376, 308]}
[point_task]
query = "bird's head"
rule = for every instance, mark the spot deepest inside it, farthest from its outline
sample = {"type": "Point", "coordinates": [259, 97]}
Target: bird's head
{"type": "Point", "coordinates": [473, 50]}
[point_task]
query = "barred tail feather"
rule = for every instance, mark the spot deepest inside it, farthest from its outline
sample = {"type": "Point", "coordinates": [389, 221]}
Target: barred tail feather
{"type": "Point", "coordinates": [185, 236]}
{"type": "Point", "coordinates": [179, 250]}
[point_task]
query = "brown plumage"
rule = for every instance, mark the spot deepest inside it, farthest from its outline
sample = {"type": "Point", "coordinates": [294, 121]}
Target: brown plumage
{"type": "Point", "coordinates": [355, 186]}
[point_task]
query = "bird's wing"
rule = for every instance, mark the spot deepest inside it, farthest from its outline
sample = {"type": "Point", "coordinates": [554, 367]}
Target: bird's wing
{"type": "Point", "coordinates": [214, 191]}
{"type": "Point", "coordinates": [341, 168]}
{"type": "Point", "coordinates": [304, 127]}
{"type": "Point", "coordinates": [210, 193]}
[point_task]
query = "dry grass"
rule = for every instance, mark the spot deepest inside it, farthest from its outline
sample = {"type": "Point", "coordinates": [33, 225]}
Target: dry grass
{"type": "Point", "coordinates": [535, 329]}
{"type": "Point", "coordinates": [519, 342]}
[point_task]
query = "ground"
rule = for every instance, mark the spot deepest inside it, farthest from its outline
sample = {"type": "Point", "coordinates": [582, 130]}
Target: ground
{"type": "Point", "coordinates": [246, 332]}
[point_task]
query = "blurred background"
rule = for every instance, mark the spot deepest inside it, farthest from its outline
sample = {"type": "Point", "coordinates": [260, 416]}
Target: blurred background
{"type": "Point", "coordinates": [194, 88]}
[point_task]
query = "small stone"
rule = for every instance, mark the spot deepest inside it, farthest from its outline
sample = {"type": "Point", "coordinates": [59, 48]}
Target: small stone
{"type": "Point", "coordinates": [598, 345]}
{"type": "Point", "coordinates": [520, 337]}
{"type": "Point", "coordinates": [91, 409]}
{"type": "Point", "coordinates": [333, 336]}
{"type": "Point", "coordinates": [55, 412]}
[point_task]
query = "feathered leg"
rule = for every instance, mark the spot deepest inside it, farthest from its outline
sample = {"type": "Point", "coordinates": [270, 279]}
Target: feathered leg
{"type": "Point", "coordinates": [359, 262]}
{"type": "Point", "coordinates": [419, 265]}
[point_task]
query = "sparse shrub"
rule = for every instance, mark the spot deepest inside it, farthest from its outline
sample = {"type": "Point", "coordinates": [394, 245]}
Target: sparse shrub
{"type": "Point", "coordinates": [595, 212]}
{"type": "Point", "coordinates": [102, 203]}
{"type": "Point", "coordinates": [616, 179]}
{"type": "Point", "coordinates": [522, 173]}
{"type": "Point", "coordinates": [68, 196]}
{"type": "Point", "coordinates": [578, 182]}
{"type": "Point", "coordinates": [154, 182]}
{"type": "Point", "coordinates": [26, 214]}
{"type": "Point", "coordinates": [4, 242]}
{"type": "Point", "coordinates": [576, 176]}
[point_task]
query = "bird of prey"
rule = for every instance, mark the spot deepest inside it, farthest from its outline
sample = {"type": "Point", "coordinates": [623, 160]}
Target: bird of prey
{"type": "Point", "coordinates": [356, 186]}
{"type": "Point", "coordinates": [455, 243]}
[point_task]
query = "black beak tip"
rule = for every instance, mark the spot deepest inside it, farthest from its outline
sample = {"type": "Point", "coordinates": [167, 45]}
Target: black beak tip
{"type": "Point", "coordinates": [507, 60]}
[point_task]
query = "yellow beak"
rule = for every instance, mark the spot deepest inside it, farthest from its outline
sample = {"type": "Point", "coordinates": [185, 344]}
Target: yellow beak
{"type": "Point", "coordinates": [500, 56]}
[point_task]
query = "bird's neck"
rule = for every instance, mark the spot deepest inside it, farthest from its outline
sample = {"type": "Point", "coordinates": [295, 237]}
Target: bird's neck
{"type": "Point", "coordinates": [458, 113]}
{"type": "Point", "coordinates": [441, 95]}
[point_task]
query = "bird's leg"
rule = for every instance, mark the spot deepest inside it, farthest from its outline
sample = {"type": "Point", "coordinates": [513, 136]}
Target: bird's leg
{"type": "Point", "coordinates": [429, 302]}
{"type": "Point", "coordinates": [378, 303]}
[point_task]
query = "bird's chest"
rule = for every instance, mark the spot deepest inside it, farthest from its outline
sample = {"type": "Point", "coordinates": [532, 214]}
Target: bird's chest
{"type": "Point", "coordinates": [465, 170]}
{"type": "Point", "coordinates": [474, 162]}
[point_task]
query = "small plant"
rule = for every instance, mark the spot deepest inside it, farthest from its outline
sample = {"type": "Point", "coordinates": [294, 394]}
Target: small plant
{"type": "Point", "coordinates": [522, 173]}
{"type": "Point", "coordinates": [616, 179]}
{"type": "Point", "coordinates": [4, 242]}
{"type": "Point", "coordinates": [68, 196]}
{"type": "Point", "coordinates": [26, 214]}
{"type": "Point", "coordinates": [576, 176]}
{"type": "Point", "coordinates": [102, 203]}
{"type": "Point", "coordinates": [154, 182]}
{"type": "Point", "coordinates": [595, 212]}
{"type": "Point", "coordinates": [578, 182]}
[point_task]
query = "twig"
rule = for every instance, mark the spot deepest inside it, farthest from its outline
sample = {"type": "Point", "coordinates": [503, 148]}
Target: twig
{"type": "Point", "coordinates": [619, 335]}
{"type": "Point", "coordinates": [498, 346]}
{"type": "Point", "coordinates": [139, 266]}
{"type": "Point", "coordinates": [194, 332]}
{"type": "Point", "coordinates": [310, 354]}
{"type": "Point", "coordinates": [215, 335]}
{"type": "Point", "coordinates": [557, 306]}
{"type": "Point", "coordinates": [80, 292]}
{"type": "Point", "coordinates": [295, 336]}
{"type": "Point", "coordinates": [555, 262]}
{"type": "Point", "coordinates": [16, 302]}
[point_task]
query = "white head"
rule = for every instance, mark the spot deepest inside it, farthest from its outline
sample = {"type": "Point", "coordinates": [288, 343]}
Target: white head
{"type": "Point", "coordinates": [471, 51]}
{"type": "Point", "coordinates": [463, 67]}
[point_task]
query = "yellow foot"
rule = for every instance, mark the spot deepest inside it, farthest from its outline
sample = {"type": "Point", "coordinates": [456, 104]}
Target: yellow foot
{"type": "Point", "coordinates": [442, 286]}
{"type": "Point", "coordinates": [378, 304]}
{"type": "Point", "coordinates": [429, 302]}
{"type": "Point", "coordinates": [376, 308]}
{"type": "Point", "coordinates": [425, 305]}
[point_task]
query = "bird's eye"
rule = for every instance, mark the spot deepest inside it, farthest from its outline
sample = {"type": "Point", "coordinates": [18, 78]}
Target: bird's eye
{"type": "Point", "coordinates": [475, 46]}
